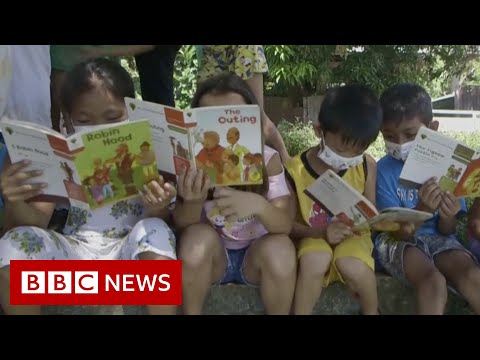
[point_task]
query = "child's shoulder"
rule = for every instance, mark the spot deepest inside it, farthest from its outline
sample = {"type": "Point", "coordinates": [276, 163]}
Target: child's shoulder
{"type": "Point", "coordinates": [389, 162]}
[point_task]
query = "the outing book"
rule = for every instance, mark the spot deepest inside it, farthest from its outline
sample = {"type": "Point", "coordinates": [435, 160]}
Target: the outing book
{"type": "Point", "coordinates": [347, 205]}
{"type": "Point", "coordinates": [93, 168]}
{"type": "Point", "coordinates": [453, 163]}
{"type": "Point", "coordinates": [224, 141]}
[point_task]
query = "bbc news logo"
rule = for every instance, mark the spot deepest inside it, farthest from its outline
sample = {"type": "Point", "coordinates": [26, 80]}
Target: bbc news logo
{"type": "Point", "coordinates": [95, 282]}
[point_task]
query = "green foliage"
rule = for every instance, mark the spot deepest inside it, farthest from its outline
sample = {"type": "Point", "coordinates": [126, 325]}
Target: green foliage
{"type": "Point", "coordinates": [311, 69]}
{"type": "Point", "coordinates": [185, 76]}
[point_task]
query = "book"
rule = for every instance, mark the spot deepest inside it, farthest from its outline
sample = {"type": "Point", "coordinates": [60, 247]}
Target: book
{"type": "Point", "coordinates": [341, 201]}
{"type": "Point", "coordinates": [226, 142]}
{"type": "Point", "coordinates": [453, 163]}
{"type": "Point", "coordinates": [93, 168]}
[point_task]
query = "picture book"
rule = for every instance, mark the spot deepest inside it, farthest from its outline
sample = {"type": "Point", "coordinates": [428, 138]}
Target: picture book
{"type": "Point", "coordinates": [94, 168]}
{"type": "Point", "coordinates": [453, 163]}
{"type": "Point", "coordinates": [347, 205]}
{"type": "Point", "coordinates": [226, 142]}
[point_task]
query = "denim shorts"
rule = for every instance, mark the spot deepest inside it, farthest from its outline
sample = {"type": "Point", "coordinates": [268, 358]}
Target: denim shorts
{"type": "Point", "coordinates": [234, 272]}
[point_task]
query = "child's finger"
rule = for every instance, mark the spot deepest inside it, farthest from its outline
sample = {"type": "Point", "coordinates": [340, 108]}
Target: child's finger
{"type": "Point", "coordinates": [24, 196]}
{"type": "Point", "coordinates": [13, 168]}
{"type": "Point", "coordinates": [197, 185]}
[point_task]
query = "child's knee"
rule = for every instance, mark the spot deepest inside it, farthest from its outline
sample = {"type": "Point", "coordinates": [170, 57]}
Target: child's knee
{"type": "Point", "coordinates": [278, 254]}
{"type": "Point", "coordinates": [197, 244]}
{"type": "Point", "coordinates": [353, 269]}
{"type": "Point", "coordinates": [315, 264]}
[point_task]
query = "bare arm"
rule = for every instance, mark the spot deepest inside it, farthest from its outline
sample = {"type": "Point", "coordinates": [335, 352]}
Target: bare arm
{"type": "Point", "coordinates": [277, 213]}
{"type": "Point", "coordinates": [371, 181]}
{"type": "Point", "coordinates": [187, 213]}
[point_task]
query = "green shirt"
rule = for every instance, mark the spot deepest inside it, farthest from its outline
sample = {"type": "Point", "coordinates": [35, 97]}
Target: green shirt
{"type": "Point", "coordinates": [65, 57]}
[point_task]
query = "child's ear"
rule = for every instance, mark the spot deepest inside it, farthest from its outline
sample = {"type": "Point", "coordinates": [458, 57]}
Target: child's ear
{"type": "Point", "coordinates": [434, 125]}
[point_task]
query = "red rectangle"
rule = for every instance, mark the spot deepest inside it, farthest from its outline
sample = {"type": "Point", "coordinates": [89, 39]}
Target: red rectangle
{"type": "Point", "coordinates": [95, 282]}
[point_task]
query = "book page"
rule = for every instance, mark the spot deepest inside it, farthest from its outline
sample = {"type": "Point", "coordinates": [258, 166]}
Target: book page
{"type": "Point", "coordinates": [227, 144]}
{"type": "Point", "coordinates": [42, 149]}
{"type": "Point", "coordinates": [435, 155]}
{"type": "Point", "coordinates": [341, 200]}
{"type": "Point", "coordinates": [161, 133]}
{"type": "Point", "coordinates": [389, 216]}
{"type": "Point", "coordinates": [469, 184]}
{"type": "Point", "coordinates": [114, 163]}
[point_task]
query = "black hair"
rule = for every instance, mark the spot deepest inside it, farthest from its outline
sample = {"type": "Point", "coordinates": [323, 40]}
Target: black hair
{"type": "Point", "coordinates": [354, 112]}
{"type": "Point", "coordinates": [405, 102]}
{"type": "Point", "coordinates": [83, 76]}
{"type": "Point", "coordinates": [224, 83]}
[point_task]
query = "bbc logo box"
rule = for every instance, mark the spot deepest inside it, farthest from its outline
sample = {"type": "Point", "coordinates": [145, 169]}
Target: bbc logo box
{"type": "Point", "coordinates": [95, 282]}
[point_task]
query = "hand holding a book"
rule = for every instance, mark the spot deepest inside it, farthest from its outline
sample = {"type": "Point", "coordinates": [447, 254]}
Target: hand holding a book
{"type": "Point", "coordinates": [430, 196]}
{"type": "Point", "coordinates": [449, 206]}
{"type": "Point", "coordinates": [235, 204]}
{"type": "Point", "coordinates": [157, 196]}
{"type": "Point", "coordinates": [193, 186]}
{"type": "Point", "coordinates": [13, 182]}
{"type": "Point", "coordinates": [337, 232]}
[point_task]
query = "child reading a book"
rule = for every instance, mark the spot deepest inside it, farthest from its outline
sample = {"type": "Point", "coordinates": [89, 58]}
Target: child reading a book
{"type": "Point", "coordinates": [328, 251]}
{"type": "Point", "coordinates": [239, 235]}
{"type": "Point", "coordinates": [93, 94]}
{"type": "Point", "coordinates": [427, 255]}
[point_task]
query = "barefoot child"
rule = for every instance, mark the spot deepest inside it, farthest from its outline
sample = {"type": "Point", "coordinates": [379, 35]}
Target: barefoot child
{"type": "Point", "coordinates": [427, 256]}
{"type": "Point", "coordinates": [328, 251]}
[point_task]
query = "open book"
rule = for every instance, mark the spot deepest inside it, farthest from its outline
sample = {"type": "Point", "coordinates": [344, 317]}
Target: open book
{"type": "Point", "coordinates": [93, 168]}
{"type": "Point", "coordinates": [454, 164]}
{"type": "Point", "coordinates": [225, 141]}
{"type": "Point", "coordinates": [346, 204]}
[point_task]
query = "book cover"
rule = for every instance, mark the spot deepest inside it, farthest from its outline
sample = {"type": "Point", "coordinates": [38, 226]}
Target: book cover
{"type": "Point", "coordinates": [453, 163]}
{"type": "Point", "coordinates": [97, 167]}
{"type": "Point", "coordinates": [342, 202]}
{"type": "Point", "coordinates": [226, 142]}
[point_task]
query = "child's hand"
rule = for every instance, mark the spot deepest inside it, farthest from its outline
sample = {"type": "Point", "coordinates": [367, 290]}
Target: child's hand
{"type": "Point", "coordinates": [13, 186]}
{"type": "Point", "coordinates": [449, 206]}
{"type": "Point", "coordinates": [430, 196]}
{"type": "Point", "coordinates": [406, 232]}
{"type": "Point", "coordinates": [337, 232]}
{"type": "Point", "coordinates": [157, 196]}
{"type": "Point", "coordinates": [235, 204]}
{"type": "Point", "coordinates": [193, 186]}
{"type": "Point", "coordinates": [474, 226]}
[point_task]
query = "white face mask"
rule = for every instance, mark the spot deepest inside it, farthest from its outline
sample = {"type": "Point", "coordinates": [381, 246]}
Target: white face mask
{"type": "Point", "coordinates": [399, 152]}
{"type": "Point", "coordinates": [335, 161]}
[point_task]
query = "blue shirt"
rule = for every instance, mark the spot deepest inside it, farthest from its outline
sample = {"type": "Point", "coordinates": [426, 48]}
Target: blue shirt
{"type": "Point", "coordinates": [391, 194]}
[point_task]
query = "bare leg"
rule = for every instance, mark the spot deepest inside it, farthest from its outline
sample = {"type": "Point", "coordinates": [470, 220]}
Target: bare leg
{"type": "Point", "coordinates": [204, 263]}
{"type": "Point", "coordinates": [464, 274]}
{"type": "Point", "coordinates": [429, 283]}
{"type": "Point", "coordinates": [271, 262]}
{"type": "Point", "coordinates": [362, 281]}
{"type": "Point", "coordinates": [312, 269]}
{"type": "Point", "coordinates": [158, 309]}
{"type": "Point", "coordinates": [5, 297]}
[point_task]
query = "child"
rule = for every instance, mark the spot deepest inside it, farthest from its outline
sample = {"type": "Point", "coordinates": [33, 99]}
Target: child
{"type": "Point", "coordinates": [328, 251]}
{"type": "Point", "coordinates": [239, 235]}
{"type": "Point", "coordinates": [425, 255]}
{"type": "Point", "coordinates": [93, 94]}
